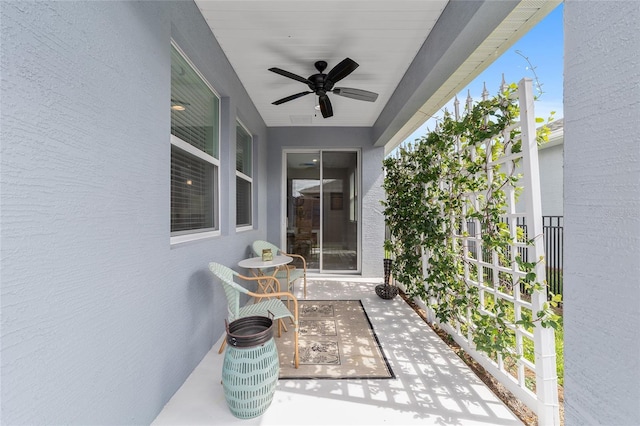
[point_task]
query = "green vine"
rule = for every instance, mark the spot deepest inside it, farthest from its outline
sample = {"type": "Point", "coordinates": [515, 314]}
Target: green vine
{"type": "Point", "coordinates": [427, 210]}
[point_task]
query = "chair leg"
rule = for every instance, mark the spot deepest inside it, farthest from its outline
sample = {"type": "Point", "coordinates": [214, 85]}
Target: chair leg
{"type": "Point", "coordinates": [305, 286]}
{"type": "Point", "coordinates": [222, 346]}
{"type": "Point", "coordinates": [288, 299]}
{"type": "Point", "coordinates": [296, 357]}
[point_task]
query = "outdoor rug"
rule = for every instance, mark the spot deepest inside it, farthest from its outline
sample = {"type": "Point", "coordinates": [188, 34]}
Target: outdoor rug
{"type": "Point", "coordinates": [336, 341]}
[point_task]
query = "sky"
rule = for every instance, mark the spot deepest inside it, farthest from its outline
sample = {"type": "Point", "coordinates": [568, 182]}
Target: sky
{"type": "Point", "coordinates": [543, 45]}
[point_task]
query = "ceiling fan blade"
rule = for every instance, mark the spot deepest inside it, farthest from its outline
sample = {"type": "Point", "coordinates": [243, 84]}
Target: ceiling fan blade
{"type": "Point", "coordinates": [340, 71]}
{"type": "Point", "coordinates": [359, 94]}
{"type": "Point", "coordinates": [290, 98]}
{"type": "Point", "coordinates": [325, 106]}
{"type": "Point", "coordinates": [290, 75]}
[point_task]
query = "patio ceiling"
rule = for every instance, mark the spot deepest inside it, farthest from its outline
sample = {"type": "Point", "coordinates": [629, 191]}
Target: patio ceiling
{"type": "Point", "coordinates": [415, 54]}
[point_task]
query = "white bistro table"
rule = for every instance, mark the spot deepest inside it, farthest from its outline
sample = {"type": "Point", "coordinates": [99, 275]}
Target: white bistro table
{"type": "Point", "coordinates": [258, 267]}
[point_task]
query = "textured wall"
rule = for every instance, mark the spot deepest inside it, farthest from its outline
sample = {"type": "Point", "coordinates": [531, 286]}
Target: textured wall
{"type": "Point", "coordinates": [371, 174]}
{"type": "Point", "coordinates": [550, 161]}
{"type": "Point", "coordinates": [102, 320]}
{"type": "Point", "coordinates": [602, 206]}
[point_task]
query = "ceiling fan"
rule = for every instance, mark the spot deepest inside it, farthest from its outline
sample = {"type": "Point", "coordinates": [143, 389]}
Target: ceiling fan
{"type": "Point", "coordinates": [321, 84]}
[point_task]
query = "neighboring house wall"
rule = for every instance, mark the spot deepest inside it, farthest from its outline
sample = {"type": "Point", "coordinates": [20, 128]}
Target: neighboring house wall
{"type": "Point", "coordinates": [601, 210]}
{"type": "Point", "coordinates": [102, 320]}
{"type": "Point", "coordinates": [281, 138]}
{"type": "Point", "coordinates": [550, 164]}
{"type": "Point", "coordinates": [550, 158]}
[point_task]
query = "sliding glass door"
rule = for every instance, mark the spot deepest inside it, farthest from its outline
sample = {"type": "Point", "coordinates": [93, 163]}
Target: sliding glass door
{"type": "Point", "coordinates": [322, 209]}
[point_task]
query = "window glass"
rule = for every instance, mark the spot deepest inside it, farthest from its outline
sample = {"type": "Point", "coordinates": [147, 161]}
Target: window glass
{"type": "Point", "coordinates": [243, 202]}
{"type": "Point", "coordinates": [194, 107]}
{"type": "Point", "coordinates": [191, 195]}
{"type": "Point", "coordinates": [244, 182]}
{"type": "Point", "coordinates": [243, 150]}
{"type": "Point", "coordinates": [195, 112]}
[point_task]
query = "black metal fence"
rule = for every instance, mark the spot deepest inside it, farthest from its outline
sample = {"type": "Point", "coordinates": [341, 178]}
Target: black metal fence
{"type": "Point", "coordinates": [553, 228]}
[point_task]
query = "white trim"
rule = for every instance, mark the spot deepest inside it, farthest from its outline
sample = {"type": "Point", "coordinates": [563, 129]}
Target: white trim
{"type": "Point", "coordinates": [283, 199]}
{"type": "Point", "coordinates": [243, 176]}
{"type": "Point", "coordinates": [244, 228]}
{"type": "Point", "coordinates": [179, 143]}
{"type": "Point", "coordinates": [554, 140]}
{"type": "Point", "coordinates": [195, 236]}
{"type": "Point", "coordinates": [359, 204]}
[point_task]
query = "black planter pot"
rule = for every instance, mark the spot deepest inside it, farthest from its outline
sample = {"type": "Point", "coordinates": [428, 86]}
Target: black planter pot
{"type": "Point", "coordinates": [248, 332]}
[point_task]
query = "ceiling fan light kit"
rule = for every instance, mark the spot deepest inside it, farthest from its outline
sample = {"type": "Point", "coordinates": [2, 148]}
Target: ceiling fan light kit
{"type": "Point", "coordinates": [321, 84]}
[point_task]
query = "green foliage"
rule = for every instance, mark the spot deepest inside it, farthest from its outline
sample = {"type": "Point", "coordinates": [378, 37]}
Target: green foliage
{"type": "Point", "coordinates": [427, 209]}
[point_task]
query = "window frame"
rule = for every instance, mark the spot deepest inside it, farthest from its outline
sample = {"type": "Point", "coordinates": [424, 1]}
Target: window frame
{"type": "Point", "coordinates": [178, 237]}
{"type": "Point", "coordinates": [243, 176]}
{"type": "Point", "coordinates": [353, 196]}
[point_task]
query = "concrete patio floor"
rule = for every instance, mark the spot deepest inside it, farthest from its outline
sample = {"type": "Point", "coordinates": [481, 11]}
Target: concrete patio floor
{"type": "Point", "coordinates": [432, 385]}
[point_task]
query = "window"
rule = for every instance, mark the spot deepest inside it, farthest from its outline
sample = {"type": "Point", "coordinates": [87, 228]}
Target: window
{"type": "Point", "coordinates": [195, 122]}
{"type": "Point", "coordinates": [244, 182]}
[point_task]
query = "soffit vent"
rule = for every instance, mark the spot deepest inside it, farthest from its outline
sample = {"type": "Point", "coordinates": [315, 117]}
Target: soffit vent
{"type": "Point", "coordinates": [300, 119]}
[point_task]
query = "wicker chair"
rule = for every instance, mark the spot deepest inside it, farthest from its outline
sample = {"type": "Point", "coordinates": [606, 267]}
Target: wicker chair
{"type": "Point", "coordinates": [267, 305]}
{"type": "Point", "coordinates": [286, 273]}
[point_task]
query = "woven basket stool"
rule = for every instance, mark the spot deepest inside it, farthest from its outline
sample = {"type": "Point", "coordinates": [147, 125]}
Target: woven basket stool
{"type": "Point", "coordinates": [251, 367]}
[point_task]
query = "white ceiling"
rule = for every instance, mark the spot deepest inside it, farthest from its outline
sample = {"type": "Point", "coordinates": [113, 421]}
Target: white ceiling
{"type": "Point", "coordinates": [383, 37]}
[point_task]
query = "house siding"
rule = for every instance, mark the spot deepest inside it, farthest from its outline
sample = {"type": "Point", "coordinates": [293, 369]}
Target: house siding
{"type": "Point", "coordinates": [601, 206]}
{"type": "Point", "coordinates": [550, 161]}
{"type": "Point", "coordinates": [102, 319]}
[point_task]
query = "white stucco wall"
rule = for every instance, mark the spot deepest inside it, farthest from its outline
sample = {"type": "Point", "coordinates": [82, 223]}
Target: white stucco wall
{"type": "Point", "coordinates": [602, 213]}
{"type": "Point", "coordinates": [102, 320]}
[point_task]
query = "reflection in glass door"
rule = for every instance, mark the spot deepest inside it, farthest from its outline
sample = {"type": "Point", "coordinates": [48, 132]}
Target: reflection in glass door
{"type": "Point", "coordinates": [340, 229]}
{"type": "Point", "coordinates": [322, 209]}
{"type": "Point", "coordinates": [303, 206]}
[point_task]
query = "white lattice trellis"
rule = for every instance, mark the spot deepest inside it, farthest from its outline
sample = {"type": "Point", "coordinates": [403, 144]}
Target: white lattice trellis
{"type": "Point", "coordinates": [488, 272]}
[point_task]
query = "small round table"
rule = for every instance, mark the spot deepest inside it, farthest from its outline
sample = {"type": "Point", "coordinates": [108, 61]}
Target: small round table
{"type": "Point", "coordinates": [257, 267]}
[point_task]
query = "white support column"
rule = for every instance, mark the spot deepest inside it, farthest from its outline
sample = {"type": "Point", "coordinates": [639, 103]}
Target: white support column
{"type": "Point", "coordinates": [544, 343]}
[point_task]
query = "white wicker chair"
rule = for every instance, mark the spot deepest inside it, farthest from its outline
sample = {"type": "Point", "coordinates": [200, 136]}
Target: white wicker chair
{"type": "Point", "coordinates": [267, 305]}
{"type": "Point", "coordinates": [286, 273]}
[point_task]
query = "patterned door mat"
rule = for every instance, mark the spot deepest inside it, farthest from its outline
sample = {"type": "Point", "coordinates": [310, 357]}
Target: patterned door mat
{"type": "Point", "coordinates": [337, 341]}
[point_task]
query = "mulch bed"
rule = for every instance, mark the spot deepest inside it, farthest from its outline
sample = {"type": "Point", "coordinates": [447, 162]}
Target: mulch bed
{"type": "Point", "coordinates": [526, 415]}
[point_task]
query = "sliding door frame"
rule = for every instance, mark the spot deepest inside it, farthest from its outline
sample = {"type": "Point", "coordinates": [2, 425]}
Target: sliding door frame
{"type": "Point", "coordinates": [283, 203]}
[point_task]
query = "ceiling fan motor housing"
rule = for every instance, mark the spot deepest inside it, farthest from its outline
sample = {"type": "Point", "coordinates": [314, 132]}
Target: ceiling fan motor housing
{"type": "Point", "coordinates": [317, 84]}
